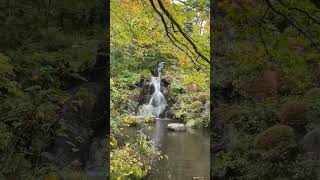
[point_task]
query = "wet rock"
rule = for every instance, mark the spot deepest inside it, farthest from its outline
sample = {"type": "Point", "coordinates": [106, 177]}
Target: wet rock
{"type": "Point", "coordinates": [195, 123]}
{"type": "Point", "coordinates": [176, 127]}
{"type": "Point", "coordinates": [170, 114]}
{"type": "Point", "coordinates": [165, 82]}
{"type": "Point", "coordinates": [311, 142]}
{"type": "Point", "coordinates": [207, 106]}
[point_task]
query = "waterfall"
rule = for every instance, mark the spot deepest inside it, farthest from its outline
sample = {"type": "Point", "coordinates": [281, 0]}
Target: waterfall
{"type": "Point", "coordinates": [157, 102]}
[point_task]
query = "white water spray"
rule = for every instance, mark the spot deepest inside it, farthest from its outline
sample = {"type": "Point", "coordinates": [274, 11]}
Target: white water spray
{"type": "Point", "coordinates": [157, 103]}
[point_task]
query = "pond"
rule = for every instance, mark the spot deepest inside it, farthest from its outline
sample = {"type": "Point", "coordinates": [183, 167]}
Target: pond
{"type": "Point", "coordinates": [188, 153]}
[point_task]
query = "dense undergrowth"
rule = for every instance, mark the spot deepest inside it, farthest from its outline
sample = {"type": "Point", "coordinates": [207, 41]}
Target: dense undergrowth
{"type": "Point", "coordinates": [266, 101]}
{"type": "Point", "coordinates": [45, 46]}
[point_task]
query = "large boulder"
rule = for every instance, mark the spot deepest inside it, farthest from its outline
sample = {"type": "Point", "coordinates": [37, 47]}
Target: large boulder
{"type": "Point", "coordinates": [80, 116]}
{"type": "Point", "coordinates": [176, 127]}
{"type": "Point", "coordinates": [276, 137]}
{"type": "Point", "coordinates": [314, 92]}
{"type": "Point", "coordinates": [196, 105]}
{"type": "Point", "coordinates": [311, 142]}
{"type": "Point", "coordinates": [225, 134]}
{"type": "Point", "coordinates": [294, 114]}
{"type": "Point", "coordinates": [193, 88]}
{"type": "Point", "coordinates": [203, 97]}
{"type": "Point", "coordinates": [264, 85]}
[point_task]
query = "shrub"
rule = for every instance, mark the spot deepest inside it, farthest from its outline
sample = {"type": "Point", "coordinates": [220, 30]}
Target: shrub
{"type": "Point", "coordinates": [294, 114]}
{"type": "Point", "coordinates": [276, 137]}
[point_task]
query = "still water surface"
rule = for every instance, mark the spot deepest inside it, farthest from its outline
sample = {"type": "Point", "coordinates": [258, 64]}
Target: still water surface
{"type": "Point", "coordinates": [188, 154]}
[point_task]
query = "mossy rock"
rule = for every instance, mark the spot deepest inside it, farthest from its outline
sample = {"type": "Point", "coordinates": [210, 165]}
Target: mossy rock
{"type": "Point", "coordinates": [311, 142]}
{"type": "Point", "coordinates": [314, 92]}
{"type": "Point", "coordinates": [131, 121]}
{"type": "Point", "coordinates": [83, 97]}
{"type": "Point", "coordinates": [294, 114]}
{"type": "Point", "coordinates": [193, 88]}
{"type": "Point", "coordinates": [276, 137]}
{"type": "Point", "coordinates": [195, 123]}
{"type": "Point", "coordinates": [264, 85]}
{"type": "Point", "coordinates": [203, 97]}
{"type": "Point", "coordinates": [196, 105]}
{"type": "Point", "coordinates": [149, 119]}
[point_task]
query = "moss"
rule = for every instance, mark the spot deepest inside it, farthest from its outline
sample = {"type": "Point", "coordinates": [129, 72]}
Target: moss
{"type": "Point", "coordinates": [149, 119]}
{"type": "Point", "coordinates": [84, 96]}
{"type": "Point", "coordinates": [314, 92]}
{"type": "Point", "coordinates": [130, 121]}
{"type": "Point", "coordinates": [196, 105]}
{"type": "Point", "coordinates": [203, 97]}
{"type": "Point", "coordinates": [278, 136]}
{"type": "Point", "coordinates": [294, 114]}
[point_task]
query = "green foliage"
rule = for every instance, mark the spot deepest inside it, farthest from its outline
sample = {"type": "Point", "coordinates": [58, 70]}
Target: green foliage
{"type": "Point", "coordinates": [275, 137]}
{"type": "Point", "coordinates": [132, 161]}
{"type": "Point", "coordinates": [45, 46]}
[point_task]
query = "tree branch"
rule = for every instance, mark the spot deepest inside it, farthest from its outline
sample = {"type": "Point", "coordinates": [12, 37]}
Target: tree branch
{"type": "Point", "coordinates": [195, 48]}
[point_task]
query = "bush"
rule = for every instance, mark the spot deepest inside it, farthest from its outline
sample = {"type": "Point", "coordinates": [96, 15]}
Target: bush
{"type": "Point", "coordinates": [294, 114]}
{"type": "Point", "coordinates": [276, 137]}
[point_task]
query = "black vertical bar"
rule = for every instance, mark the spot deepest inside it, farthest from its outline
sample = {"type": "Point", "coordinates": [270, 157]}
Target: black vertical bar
{"type": "Point", "coordinates": [211, 74]}
{"type": "Point", "coordinates": [108, 85]}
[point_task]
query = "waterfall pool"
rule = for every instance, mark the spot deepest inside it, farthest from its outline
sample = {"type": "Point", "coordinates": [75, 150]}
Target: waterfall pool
{"type": "Point", "coordinates": [188, 153]}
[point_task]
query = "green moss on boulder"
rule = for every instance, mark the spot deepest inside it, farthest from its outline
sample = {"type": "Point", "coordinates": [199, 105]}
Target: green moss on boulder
{"type": "Point", "coordinates": [275, 137]}
{"type": "Point", "coordinates": [203, 97]}
{"type": "Point", "coordinates": [196, 105]}
{"type": "Point", "coordinates": [314, 92]}
{"type": "Point", "coordinates": [131, 121]}
{"type": "Point", "coordinates": [149, 119]}
{"type": "Point", "coordinates": [294, 114]}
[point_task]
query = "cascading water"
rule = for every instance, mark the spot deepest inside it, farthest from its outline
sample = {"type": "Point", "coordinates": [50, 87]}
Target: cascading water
{"type": "Point", "coordinates": [157, 102]}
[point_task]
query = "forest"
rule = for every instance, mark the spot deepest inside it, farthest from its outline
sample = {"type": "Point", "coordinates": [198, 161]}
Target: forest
{"type": "Point", "coordinates": [265, 122]}
{"type": "Point", "coordinates": [49, 84]}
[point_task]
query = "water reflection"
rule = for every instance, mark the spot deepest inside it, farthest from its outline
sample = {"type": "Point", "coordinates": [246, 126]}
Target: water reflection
{"type": "Point", "coordinates": [188, 154]}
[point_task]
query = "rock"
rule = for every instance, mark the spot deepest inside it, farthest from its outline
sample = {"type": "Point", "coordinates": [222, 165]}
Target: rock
{"type": "Point", "coordinates": [150, 119]}
{"type": "Point", "coordinates": [170, 114]}
{"type": "Point", "coordinates": [196, 105]}
{"type": "Point", "coordinates": [165, 82]}
{"type": "Point", "coordinates": [314, 92]}
{"type": "Point", "coordinates": [193, 88]}
{"type": "Point", "coordinates": [195, 123]}
{"type": "Point", "coordinates": [207, 106]}
{"type": "Point", "coordinates": [203, 97]}
{"type": "Point", "coordinates": [176, 127]}
{"type": "Point", "coordinates": [265, 85]}
{"type": "Point", "coordinates": [225, 136]}
{"type": "Point", "coordinates": [276, 137]}
{"type": "Point", "coordinates": [294, 114]}
{"type": "Point", "coordinates": [311, 142]}
{"type": "Point", "coordinates": [131, 121]}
